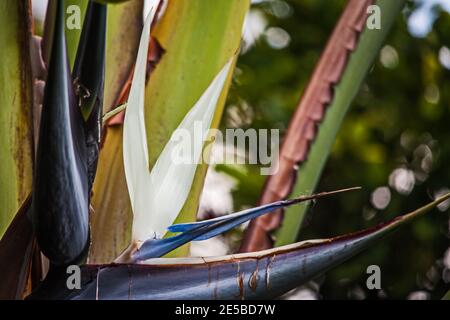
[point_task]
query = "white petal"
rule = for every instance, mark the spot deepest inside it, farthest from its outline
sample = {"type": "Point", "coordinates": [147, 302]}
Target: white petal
{"type": "Point", "coordinates": [135, 152]}
{"type": "Point", "coordinates": [158, 196]}
{"type": "Point", "coordinates": [171, 181]}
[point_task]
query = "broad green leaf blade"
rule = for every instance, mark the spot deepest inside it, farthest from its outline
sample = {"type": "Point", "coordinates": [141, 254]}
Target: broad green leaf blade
{"type": "Point", "coordinates": [258, 275]}
{"type": "Point", "coordinates": [16, 250]}
{"type": "Point", "coordinates": [16, 141]}
{"type": "Point", "coordinates": [60, 186]}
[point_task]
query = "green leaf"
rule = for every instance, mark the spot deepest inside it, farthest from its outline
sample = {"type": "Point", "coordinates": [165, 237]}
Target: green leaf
{"type": "Point", "coordinates": [358, 66]}
{"type": "Point", "coordinates": [16, 144]}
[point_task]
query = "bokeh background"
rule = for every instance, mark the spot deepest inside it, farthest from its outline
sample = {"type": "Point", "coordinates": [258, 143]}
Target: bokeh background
{"type": "Point", "coordinates": [394, 142]}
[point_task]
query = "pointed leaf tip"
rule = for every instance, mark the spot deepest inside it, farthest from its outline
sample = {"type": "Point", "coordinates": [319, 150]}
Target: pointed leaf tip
{"type": "Point", "coordinates": [252, 213]}
{"type": "Point", "coordinates": [197, 231]}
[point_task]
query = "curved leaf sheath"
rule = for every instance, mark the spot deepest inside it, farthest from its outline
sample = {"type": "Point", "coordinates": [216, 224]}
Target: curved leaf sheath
{"type": "Point", "coordinates": [60, 194]}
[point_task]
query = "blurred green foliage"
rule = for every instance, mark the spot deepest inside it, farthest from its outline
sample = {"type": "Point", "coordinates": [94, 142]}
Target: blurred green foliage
{"type": "Point", "coordinates": [399, 121]}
